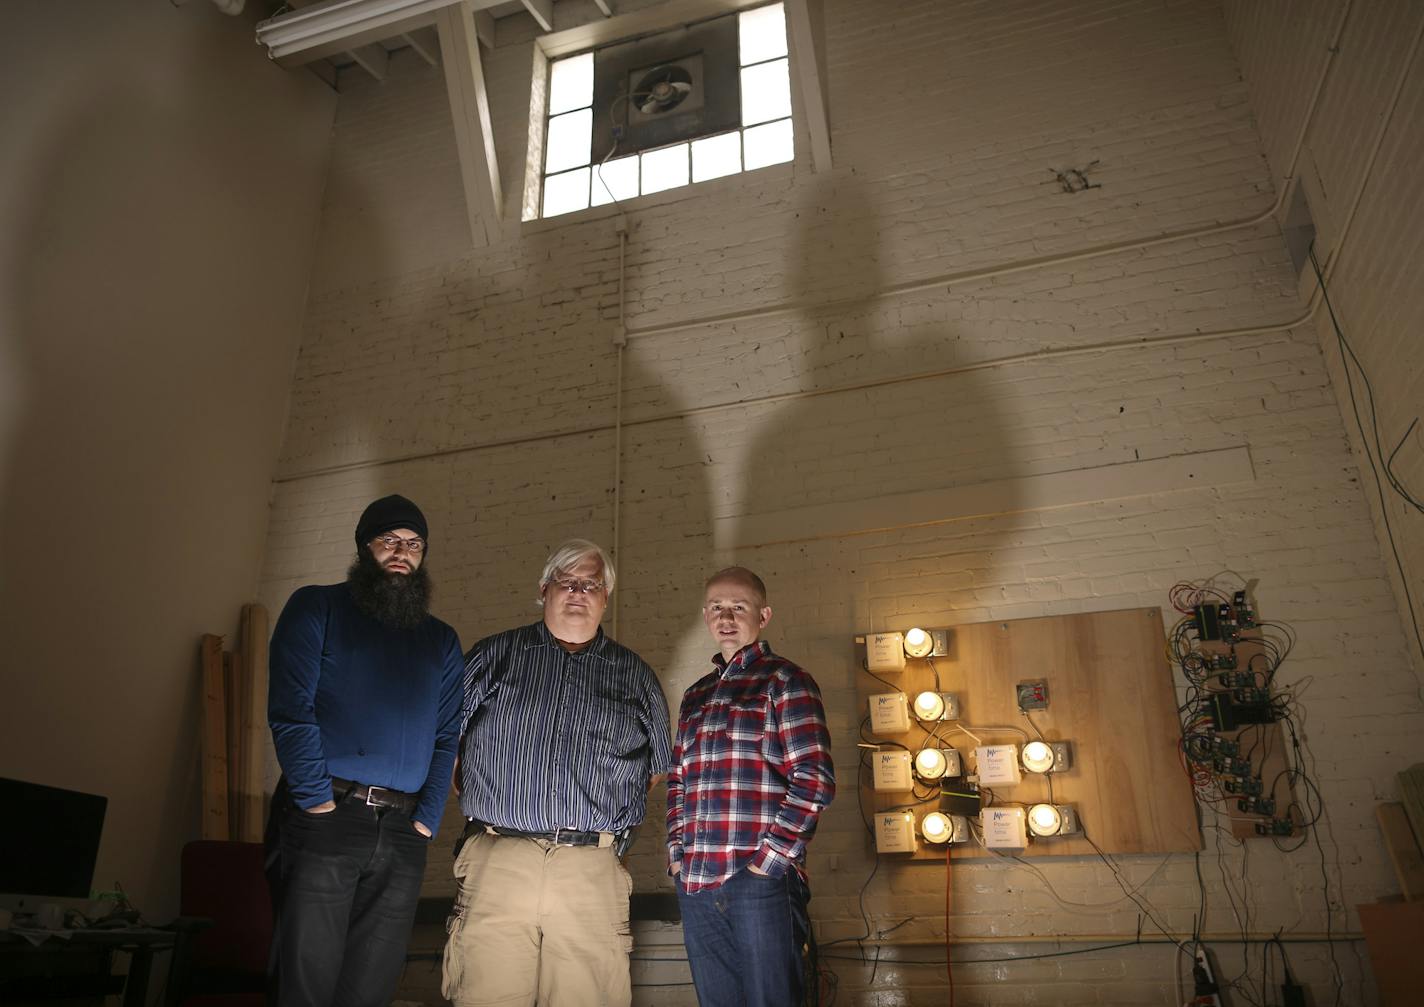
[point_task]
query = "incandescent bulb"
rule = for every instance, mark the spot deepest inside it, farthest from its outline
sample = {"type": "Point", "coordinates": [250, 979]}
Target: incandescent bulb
{"type": "Point", "coordinates": [918, 643]}
{"type": "Point", "coordinates": [936, 827]}
{"type": "Point", "coordinates": [929, 706]}
{"type": "Point", "coordinates": [1037, 757]}
{"type": "Point", "coordinates": [1044, 820]}
{"type": "Point", "coordinates": [931, 764]}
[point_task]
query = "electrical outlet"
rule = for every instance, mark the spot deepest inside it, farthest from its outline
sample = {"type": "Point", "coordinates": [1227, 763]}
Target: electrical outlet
{"type": "Point", "coordinates": [1032, 695]}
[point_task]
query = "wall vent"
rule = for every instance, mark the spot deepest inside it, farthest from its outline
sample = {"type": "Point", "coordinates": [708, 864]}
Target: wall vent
{"type": "Point", "coordinates": [666, 88]}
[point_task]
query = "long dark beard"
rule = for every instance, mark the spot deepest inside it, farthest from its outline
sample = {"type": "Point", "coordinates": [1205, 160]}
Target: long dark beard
{"type": "Point", "coordinates": [400, 601]}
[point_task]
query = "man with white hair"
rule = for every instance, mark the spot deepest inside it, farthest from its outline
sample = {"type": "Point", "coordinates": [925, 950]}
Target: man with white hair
{"type": "Point", "coordinates": [565, 733]}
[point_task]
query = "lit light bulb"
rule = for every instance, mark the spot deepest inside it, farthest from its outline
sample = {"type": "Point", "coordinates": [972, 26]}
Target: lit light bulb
{"type": "Point", "coordinates": [1037, 757]}
{"type": "Point", "coordinates": [1044, 820]}
{"type": "Point", "coordinates": [931, 764]}
{"type": "Point", "coordinates": [936, 827]}
{"type": "Point", "coordinates": [918, 643]}
{"type": "Point", "coordinates": [929, 706]}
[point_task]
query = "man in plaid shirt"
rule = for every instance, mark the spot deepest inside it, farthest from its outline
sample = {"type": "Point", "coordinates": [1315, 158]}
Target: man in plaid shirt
{"type": "Point", "coordinates": [751, 774]}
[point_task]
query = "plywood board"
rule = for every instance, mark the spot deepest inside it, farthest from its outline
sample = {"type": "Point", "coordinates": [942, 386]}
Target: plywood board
{"type": "Point", "coordinates": [214, 747]}
{"type": "Point", "coordinates": [253, 653]}
{"type": "Point", "coordinates": [1110, 693]}
{"type": "Point", "coordinates": [232, 681]}
{"type": "Point", "coordinates": [1393, 933]}
{"type": "Point", "coordinates": [1403, 849]}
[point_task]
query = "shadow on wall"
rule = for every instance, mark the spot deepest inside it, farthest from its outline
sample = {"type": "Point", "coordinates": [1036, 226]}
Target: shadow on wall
{"type": "Point", "coordinates": [865, 446]}
{"type": "Point", "coordinates": [137, 352]}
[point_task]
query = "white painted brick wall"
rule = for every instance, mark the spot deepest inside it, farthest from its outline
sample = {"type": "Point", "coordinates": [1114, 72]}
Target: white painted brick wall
{"type": "Point", "coordinates": [484, 383]}
{"type": "Point", "coordinates": [1368, 213]}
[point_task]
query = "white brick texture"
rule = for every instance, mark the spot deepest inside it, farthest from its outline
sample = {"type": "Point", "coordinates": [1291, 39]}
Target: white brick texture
{"type": "Point", "coordinates": [483, 385]}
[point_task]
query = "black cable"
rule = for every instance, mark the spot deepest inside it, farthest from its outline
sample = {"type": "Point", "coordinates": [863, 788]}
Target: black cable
{"type": "Point", "coordinates": [888, 684]}
{"type": "Point", "coordinates": [1136, 942]}
{"type": "Point", "coordinates": [1142, 904]}
{"type": "Point", "coordinates": [1355, 408]}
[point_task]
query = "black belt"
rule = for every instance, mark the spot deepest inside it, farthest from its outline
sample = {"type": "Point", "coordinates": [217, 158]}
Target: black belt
{"type": "Point", "coordinates": [559, 837]}
{"type": "Point", "coordinates": [375, 797]}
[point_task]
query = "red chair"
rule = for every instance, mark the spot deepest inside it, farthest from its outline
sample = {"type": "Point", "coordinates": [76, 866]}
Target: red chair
{"type": "Point", "coordinates": [225, 964]}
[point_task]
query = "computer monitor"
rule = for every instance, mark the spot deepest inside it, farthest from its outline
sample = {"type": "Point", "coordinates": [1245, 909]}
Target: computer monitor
{"type": "Point", "coordinates": [49, 841]}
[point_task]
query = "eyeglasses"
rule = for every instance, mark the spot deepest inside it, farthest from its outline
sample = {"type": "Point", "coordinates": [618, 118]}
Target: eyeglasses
{"type": "Point", "coordinates": [577, 585]}
{"type": "Point", "coordinates": [394, 543]}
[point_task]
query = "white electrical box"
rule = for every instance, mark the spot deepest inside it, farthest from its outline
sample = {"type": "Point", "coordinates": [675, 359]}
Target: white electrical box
{"type": "Point", "coordinates": [895, 832]}
{"type": "Point", "coordinates": [1004, 828]}
{"type": "Point", "coordinates": [885, 651]}
{"type": "Point", "coordinates": [892, 770]}
{"type": "Point", "coordinates": [889, 713]}
{"type": "Point", "coordinates": [997, 764]}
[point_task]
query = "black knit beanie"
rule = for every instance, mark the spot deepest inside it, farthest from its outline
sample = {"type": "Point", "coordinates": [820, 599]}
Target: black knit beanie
{"type": "Point", "coordinates": [388, 514]}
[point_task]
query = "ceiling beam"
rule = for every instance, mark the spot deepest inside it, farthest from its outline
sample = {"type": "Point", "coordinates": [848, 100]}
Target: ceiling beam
{"type": "Point", "coordinates": [655, 18]}
{"type": "Point", "coordinates": [316, 32]}
{"type": "Point", "coordinates": [484, 28]}
{"type": "Point", "coordinates": [807, 71]}
{"type": "Point", "coordinates": [542, 11]}
{"type": "Point", "coordinates": [421, 46]}
{"type": "Point", "coordinates": [372, 58]}
{"type": "Point", "coordinates": [469, 108]}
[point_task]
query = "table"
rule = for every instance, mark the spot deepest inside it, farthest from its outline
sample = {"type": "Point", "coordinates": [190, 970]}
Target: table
{"type": "Point", "coordinates": [81, 965]}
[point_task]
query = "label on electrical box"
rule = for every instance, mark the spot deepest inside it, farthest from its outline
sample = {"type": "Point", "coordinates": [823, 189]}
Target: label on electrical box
{"type": "Point", "coordinates": [885, 651]}
{"type": "Point", "coordinates": [1004, 828]}
{"type": "Point", "coordinates": [892, 770]}
{"type": "Point", "coordinates": [889, 713]}
{"type": "Point", "coordinates": [997, 764]}
{"type": "Point", "coordinates": [895, 832]}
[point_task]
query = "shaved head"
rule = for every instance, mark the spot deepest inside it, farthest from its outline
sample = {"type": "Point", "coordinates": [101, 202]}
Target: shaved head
{"type": "Point", "coordinates": [740, 575]}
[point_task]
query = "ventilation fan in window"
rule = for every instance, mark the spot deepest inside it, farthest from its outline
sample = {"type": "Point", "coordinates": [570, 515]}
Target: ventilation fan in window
{"type": "Point", "coordinates": [662, 89]}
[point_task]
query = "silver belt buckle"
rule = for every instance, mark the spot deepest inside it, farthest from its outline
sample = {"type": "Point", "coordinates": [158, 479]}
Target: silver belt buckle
{"type": "Point", "coordinates": [370, 796]}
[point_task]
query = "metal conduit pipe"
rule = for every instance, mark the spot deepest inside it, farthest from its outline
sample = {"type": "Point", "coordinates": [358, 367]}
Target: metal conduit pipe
{"type": "Point", "coordinates": [620, 340]}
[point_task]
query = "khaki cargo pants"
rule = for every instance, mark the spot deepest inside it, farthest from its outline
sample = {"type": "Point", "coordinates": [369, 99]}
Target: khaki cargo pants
{"type": "Point", "coordinates": [538, 924]}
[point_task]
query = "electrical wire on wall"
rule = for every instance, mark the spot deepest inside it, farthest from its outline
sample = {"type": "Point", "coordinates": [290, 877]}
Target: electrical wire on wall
{"type": "Point", "coordinates": [1241, 747]}
{"type": "Point", "coordinates": [1411, 501]}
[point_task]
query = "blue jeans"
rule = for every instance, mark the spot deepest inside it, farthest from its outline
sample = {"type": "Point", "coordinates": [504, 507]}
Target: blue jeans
{"type": "Point", "coordinates": [744, 940]}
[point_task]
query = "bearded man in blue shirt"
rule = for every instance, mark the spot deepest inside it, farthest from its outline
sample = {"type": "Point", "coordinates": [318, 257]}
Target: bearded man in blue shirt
{"type": "Point", "coordinates": [364, 705]}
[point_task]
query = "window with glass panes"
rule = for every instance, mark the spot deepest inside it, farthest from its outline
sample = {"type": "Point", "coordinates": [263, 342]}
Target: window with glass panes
{"type": "Point", "coordinates": [572, 182]}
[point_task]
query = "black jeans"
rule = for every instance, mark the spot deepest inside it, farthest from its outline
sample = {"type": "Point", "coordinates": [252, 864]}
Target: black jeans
{"type": "Point", "coordinates": [345, 885]}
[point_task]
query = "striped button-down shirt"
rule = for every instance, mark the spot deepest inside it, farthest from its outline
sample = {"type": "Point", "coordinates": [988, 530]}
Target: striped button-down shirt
{"type": "Point", "coordinates": [554, 740]}
{"type": "Point", "coordinates": [751, 770]}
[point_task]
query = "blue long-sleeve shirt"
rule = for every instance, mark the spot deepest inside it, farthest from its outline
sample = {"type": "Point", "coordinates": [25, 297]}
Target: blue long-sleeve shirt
{"type": "Point", "coordinates": [351, 698]}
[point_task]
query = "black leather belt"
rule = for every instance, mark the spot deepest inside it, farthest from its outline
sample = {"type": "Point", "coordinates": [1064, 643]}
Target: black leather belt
{"type": "Point", "coordinates": [559, 837]}
{"type": "Point", "coordinates": [375, 797]}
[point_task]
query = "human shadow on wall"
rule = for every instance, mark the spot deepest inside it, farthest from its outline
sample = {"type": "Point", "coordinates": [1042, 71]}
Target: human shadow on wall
{"type": "Point", "coordinates": [124, 452]}
{"type": "Point", "coordinates": [851, 439]}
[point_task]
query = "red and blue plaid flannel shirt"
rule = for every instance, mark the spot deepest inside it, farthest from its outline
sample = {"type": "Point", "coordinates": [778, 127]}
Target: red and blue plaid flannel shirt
{"type": "Point", "coordinates": [751, 770]}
